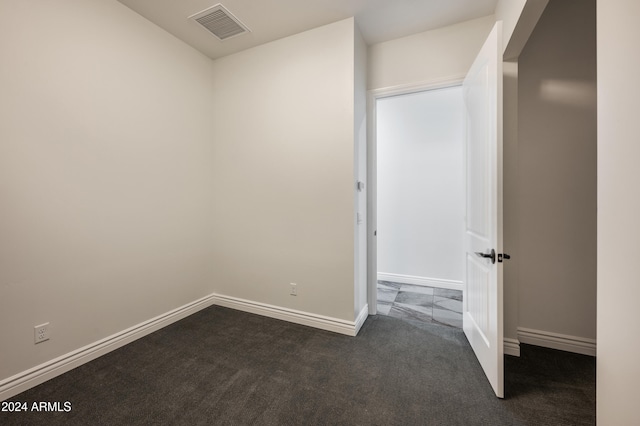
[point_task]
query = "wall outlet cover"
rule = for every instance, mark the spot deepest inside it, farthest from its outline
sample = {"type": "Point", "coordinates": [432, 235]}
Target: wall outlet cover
{"type": "Point", "coordinates": [41, 333]}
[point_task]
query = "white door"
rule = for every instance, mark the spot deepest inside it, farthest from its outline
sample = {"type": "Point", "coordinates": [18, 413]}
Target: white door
{"type": "Point", "coordinates": [482, 303]}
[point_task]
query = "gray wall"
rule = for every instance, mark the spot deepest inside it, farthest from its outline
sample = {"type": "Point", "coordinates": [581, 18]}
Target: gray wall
{"type": "Point", "coordinates": [556, 154]}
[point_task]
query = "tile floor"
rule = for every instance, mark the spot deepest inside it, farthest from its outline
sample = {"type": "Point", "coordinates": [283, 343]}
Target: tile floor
{"type": "Point", "coordinates": [413, 302]}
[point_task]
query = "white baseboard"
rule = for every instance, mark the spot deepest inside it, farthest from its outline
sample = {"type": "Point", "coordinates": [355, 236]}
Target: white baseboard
{"type": "Point", "coordinates": [563, 342]}
{"type": "Point", "coordinates": [511, 346]}
{"type": "Point", "coordinates": [48, 370]}
{"type": "Point", "coordinates": [423, 281]}
{"type": "Point", "coordinates": [361, 318]}
{"type": "Point", "coordinates": [34, 376]}
{"type": "Point", "coordinates": [350, 328]}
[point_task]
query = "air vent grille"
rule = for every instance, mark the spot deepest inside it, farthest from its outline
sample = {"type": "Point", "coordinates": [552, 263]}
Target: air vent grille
{"type": "Point", "coordinates": [220, 22]}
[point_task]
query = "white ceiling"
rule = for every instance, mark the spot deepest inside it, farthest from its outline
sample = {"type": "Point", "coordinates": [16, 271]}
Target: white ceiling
{"type": "Point", "coordinates": [268, 20]}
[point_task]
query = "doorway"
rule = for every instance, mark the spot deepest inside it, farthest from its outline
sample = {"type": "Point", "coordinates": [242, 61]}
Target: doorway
{"type": "Point", "coordinates": [418, 203]}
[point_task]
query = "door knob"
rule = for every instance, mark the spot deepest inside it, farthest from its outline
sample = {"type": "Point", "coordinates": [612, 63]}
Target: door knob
{"type": "Point", "coordinates": [491, 255]}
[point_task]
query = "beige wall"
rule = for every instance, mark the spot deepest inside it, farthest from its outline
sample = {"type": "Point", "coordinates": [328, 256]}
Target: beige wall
{"type": "Point", "coordinates": [284, 172]}
{"type": "Point", "coordinates": [105, 175]}
{"type": "Point", "coordinates": [618, 369]}
{"type": "Point", "coordinates": [509, 12]}
{"type": "Point", "coordinates": [137, 175]}
{"type": "Point", "coordinates": [557, 172]}
{"type": "Point", "coordinates": [428, 56]}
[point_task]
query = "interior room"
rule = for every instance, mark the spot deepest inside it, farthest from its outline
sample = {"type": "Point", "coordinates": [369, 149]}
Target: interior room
{"type": "Point", "coordinates": [188, 221]}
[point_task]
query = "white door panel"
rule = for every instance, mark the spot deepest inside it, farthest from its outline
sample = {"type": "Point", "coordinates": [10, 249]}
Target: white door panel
{"type": "Point", "coordinates": [482, 304]}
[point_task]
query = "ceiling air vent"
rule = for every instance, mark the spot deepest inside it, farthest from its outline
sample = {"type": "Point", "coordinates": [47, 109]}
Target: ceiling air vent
{"type": "Point", "coordinates": [220, 22]}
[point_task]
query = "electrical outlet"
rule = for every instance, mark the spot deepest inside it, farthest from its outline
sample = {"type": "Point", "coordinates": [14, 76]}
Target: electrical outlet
{"type": "Point", "coordinates": [41, 333]}
{"type": "Point", "coordinates": [294, 289]}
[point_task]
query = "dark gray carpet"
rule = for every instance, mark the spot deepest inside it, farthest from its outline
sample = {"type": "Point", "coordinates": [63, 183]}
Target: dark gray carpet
{"type": "Point", "coordinates": [224, 367]}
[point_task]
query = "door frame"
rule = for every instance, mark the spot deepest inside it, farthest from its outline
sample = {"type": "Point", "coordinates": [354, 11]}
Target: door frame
{"type": "Point", "coordinates": [372, 170]}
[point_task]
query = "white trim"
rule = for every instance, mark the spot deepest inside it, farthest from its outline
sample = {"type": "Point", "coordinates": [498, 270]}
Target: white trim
{"type": "Point", "coordinates": [291, 315]}
{"type": "Point", "coordinates": [511, 346]}
{"type": "Point", "coordinates": [563, 342]}
{"type": "Point", "coordinates": [360, 319]}
{"type": "Point", "coordinates": [423, 86]}
{"type": "Point", "coordinates": [423, 281]}
{"type": "Point", "coordinates": [34, 376]}
{"type": "Point", "coordinates": [372, 210]}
